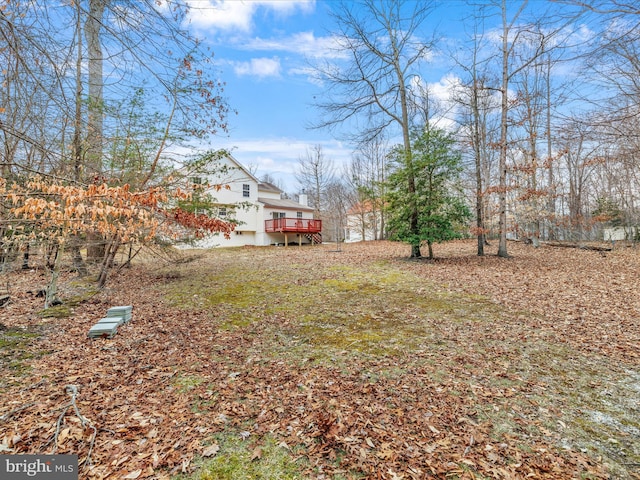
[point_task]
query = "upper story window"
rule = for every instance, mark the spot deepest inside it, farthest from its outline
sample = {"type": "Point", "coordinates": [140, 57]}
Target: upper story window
{"type": "Point", "coordinates": [299, 214]}
{"type": "Point", "coordinates": [222, 211]}
{"type": "Point", "coordinates": [246, 190]}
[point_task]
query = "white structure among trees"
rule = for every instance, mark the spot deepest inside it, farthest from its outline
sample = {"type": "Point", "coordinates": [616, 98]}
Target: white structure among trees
{"type": "Point", "coordinates": [264, 218]}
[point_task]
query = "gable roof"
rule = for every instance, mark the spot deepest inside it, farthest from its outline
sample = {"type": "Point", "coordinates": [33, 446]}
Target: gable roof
{"type": "Point", "coordinates": [242, 168]}
{"type": "Point", "coordinates": [268, 187]}
{"type": "Point", "coordinates": [284, 204]}
{"type": "Point", "coordinates": [362, 208]}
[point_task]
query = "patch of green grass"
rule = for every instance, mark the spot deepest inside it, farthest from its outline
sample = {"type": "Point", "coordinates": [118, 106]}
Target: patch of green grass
{"type": "Point", "coordinates": [185, 383]}
{"type": "Point", "coordinates": [240, 459]}
{"type": "Point", "coordinates": [379, 311]}
{"type": "Point", "coordinates": [84, 290]}
{"type": "Point", "coordinates": [15, 352]}
{"type": "Point", "coordinates": [59, 311]}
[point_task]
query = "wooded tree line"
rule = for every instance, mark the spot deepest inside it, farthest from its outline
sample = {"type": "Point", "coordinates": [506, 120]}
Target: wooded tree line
{"type": "Point", "coordinates": [544, 108]}
{"type": "Point", "coordinates": [98, 100]}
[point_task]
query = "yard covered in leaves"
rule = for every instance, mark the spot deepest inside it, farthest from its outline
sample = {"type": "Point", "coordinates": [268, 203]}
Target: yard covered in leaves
{"type": "Point", "coordinates": [308, 362]}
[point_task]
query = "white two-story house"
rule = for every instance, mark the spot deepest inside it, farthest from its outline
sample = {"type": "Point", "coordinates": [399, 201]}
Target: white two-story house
{"type": "Point", "coordinates": [364, 223]}
{"type": "Point", "coordinates": [264, 218]}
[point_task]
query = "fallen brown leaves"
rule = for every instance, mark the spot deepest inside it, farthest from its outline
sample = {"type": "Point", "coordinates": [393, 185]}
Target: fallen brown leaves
{"type": "Point", "coordinates": [159, 391]}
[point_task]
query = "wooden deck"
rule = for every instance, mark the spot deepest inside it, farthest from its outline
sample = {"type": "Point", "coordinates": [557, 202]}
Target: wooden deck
{"type": "Point", "coordinates": [293, 225]}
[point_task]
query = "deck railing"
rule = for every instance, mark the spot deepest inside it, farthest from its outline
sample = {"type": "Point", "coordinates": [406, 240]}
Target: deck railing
{"type": "Point", "coordinates": [293, 225]}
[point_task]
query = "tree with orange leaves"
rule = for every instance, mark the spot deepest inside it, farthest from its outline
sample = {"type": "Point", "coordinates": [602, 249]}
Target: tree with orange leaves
{"type": "Point", "coordinates": [45, 211]}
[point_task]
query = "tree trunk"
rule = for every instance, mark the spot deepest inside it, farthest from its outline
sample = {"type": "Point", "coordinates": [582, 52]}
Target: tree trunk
{"type": "Point", "coordinates": [78, 262]}
{"type": "Point", "coordinates": [96, 248]}
{"type": "Point", "coordinates": [478, 164]}
{"type": "Point", "coordinates": [107, 261]}
{"type": "Point", "coordinates": [93, 155]}
{"type": "Point", "coordinates": [502, 187]}
{"type": "Point", "coordinates": [551, 206]}
{"type": "Point", "coordinates": [25, 258]}
{"type": "Point", "coordinates": [92, 28]}
{"type": "Point", "coordinates": [51, 292]}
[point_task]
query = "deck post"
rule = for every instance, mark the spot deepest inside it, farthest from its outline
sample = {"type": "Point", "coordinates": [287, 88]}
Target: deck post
{"type": "Point", "coordinates": [286, 242]}
{"type": "Point", "coordinates": [299, 239]}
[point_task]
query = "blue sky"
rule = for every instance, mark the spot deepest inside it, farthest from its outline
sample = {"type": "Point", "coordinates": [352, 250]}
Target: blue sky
{"type": "Point", "coordinates": [262, 50]}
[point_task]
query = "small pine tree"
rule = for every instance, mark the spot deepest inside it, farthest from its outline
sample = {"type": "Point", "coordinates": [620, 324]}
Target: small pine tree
{"type": "Point", "coordinates": [442, 210]}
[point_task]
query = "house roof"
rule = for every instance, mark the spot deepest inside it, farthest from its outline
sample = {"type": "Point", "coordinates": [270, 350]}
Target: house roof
{"type": "Point", "coordinates": [268, 187]}
{"type": "Point", "coordinates": [361, 208]}
{"type": "Point", "coordinates": [242, 168]}
{"type": "Point", "coordinates": [285, 204]}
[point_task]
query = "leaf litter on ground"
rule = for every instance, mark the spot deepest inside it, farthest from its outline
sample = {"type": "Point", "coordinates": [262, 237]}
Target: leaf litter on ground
{"type": "Point", "coordinates": [362, 363]}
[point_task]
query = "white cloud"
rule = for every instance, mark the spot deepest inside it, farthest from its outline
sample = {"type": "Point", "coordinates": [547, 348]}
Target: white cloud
{"type": "Point", "coordinates": [289, 7]}
{"type": "Point", "coordinates": [238, 14]}
{"type": "Point", "coordinates": [278, 156]}
{"type": "Point", "coordinates": [258, 67]}
{"type": "Point", "coordinates": [441, 94]}
{"type": "Point", "coordinates": [305, 43]}
{"type": "Point", "coordinates": [225, 15]}
{"type": "Point", "coordinates": [442, 90]}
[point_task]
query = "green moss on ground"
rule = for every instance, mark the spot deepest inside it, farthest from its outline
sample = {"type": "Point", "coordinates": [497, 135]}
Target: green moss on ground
{"type": "Point", "coordinates": [240, 458]}
{"type": "Point", "coordinates": [333, 315]}
{"type": "Point", "coordinates": [16, 351]}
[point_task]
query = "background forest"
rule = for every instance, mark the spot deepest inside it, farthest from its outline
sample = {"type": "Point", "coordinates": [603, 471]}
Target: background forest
{"type": "Point", "coordinates": [106, 107]}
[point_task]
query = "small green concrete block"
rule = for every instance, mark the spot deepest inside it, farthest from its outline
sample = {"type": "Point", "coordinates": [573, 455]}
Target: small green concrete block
{"type": "Point", "coordinates": [113, 319]}
{"type": "Point", "coordinates": [123, 311]}
{"type": "Point", "coordinates": [107, 330]}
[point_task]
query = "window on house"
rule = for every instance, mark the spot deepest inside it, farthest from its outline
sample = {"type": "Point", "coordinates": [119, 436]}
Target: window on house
{"type": "Point", "coordinates": [222, 211]}
{"type": "Point", "coordinates": [299, 214]}
{"type": "Point", "coordinates": [246, 190]}
{"type": "Point", "coordinates": [197, 184]}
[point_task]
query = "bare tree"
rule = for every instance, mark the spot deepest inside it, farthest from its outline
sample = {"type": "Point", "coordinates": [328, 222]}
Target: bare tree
{"type": "Point", "coordinates": [62, 119]}
{"type": "Point", "coordinates": [578, 165]}
{"type": "Point", "coordinates": [35, 64]}
{"type": "Point", "coordinates": [336, 208]}
{"type": "Point", "coordinates": [45, 41]}
{"type": "Point", "coordinates": [315, 173]}
{"type": "Point", "coordinates": [506, 52]}
{"type": "Point", "coordinates": [366, 174]}
{"type": "Point", "coordinates": [523, 46]}
{"type": "Point", "coordinates": [475, 96]}
{"type": "Point", "coordinates": [384, 47]}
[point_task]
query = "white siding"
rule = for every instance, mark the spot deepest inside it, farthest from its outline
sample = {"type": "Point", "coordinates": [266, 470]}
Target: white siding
{"type": "Point", "coordinates": [250, 231]}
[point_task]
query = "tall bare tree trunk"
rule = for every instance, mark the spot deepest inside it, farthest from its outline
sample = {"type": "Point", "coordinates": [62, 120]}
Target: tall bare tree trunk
{"type": "Point", "coordinates": [551, 203]}
{"type": "Point", "coordinates": [92, 28]}
{"type": "Point", "coordinates": [504, 106]}
{"type": "Point", "coordinates": [77, 145]}
{"type": "Point", "coordinates": [96, 247]}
